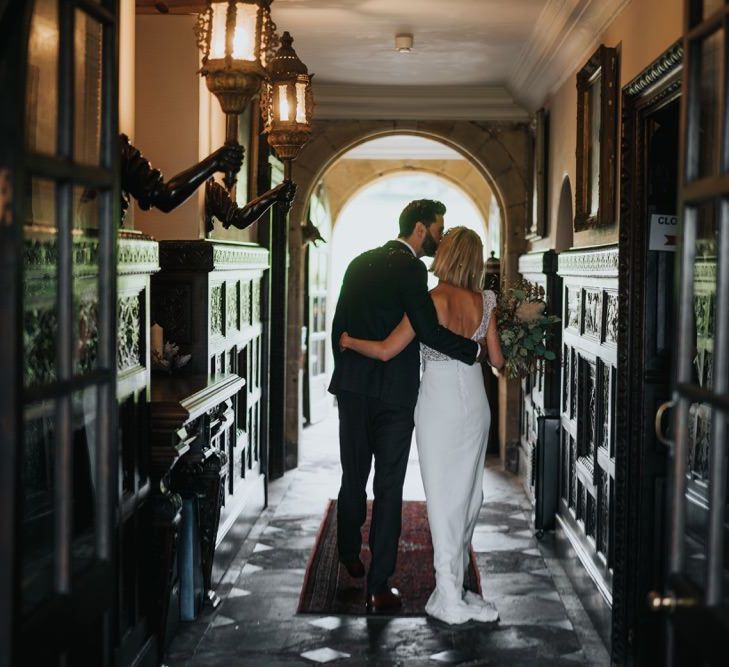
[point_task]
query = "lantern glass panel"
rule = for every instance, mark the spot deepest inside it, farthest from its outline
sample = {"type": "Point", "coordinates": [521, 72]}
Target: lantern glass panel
{"type": "Point", "coordinates": [244, 37]}
{"type": "Point", "coordinates": [283, 103]}
{"type": "Point", "coordinates": [301, 102]}
{"type": "Point", "coordinates": [217, 29]}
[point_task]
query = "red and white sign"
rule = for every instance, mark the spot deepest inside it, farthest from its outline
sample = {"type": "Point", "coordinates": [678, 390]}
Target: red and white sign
{"type": "Point", "coordinates": [664, 229]}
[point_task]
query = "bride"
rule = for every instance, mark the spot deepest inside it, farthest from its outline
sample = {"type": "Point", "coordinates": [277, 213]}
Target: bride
{"type": "Point", "coordinates": [452, 419]}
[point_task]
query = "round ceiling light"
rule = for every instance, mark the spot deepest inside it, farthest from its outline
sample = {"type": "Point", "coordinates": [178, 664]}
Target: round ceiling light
{"type": "Point", "coordinates": [404, 43]}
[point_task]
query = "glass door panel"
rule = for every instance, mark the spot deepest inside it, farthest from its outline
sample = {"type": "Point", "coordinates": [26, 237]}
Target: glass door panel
{"type": "Point", "coordinates": [88, 75]}
{"type": "Point", "coordinates": [700, 412]}
{"type": "Point", "coordinates": [68, 324]}
{"type": "Point", "coordinates": [712, 71]}
{"type": "Point", "coordinates": [84, 453]}
{"type": "Point", "coordinates": [40, 264]}
{"type": "Point", "coordinates": [37, 536]}
{"type": "Point", "coordinates": [41, 107]}
{"type": "Point", "coordinates": [697, 514]}
{"type": "Point", "coordinates": [85, 279]}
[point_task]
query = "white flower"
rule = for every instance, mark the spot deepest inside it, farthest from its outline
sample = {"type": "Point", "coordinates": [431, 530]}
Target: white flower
{"type": "Point", "coordinates": [530, 311]}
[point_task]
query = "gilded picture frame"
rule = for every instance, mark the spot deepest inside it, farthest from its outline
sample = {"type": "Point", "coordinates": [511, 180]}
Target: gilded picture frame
{"type": "Point", "coordinates": [597, 127]}
{"type": "Point", "coordinates": [538, 215]}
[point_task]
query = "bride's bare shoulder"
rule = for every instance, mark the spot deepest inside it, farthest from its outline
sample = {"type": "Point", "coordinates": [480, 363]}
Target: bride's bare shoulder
{"type": "Point", "coordinates": [439, 294]}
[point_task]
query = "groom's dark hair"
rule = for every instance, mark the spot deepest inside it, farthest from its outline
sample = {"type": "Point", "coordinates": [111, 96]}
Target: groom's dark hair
{"type": "Point", "coordinates": [419, 210]}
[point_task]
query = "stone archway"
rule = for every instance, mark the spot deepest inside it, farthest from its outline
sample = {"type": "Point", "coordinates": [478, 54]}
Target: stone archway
{"type": "Point", "coordinates": [501, 153]}
{"type": "Point", "coordinates": [345, 178]}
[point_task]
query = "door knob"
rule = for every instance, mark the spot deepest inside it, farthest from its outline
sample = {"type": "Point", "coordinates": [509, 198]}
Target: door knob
{"type": "Point", "coordinates": [668, 602]}
{"type": "Point", "coordinates": [659, 419]}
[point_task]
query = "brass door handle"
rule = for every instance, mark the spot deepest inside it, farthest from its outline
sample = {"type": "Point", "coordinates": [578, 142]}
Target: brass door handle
{"type": "Point", "coordinates": [659, 419]}
{"type": "Point", "coordinates": [668, 602]}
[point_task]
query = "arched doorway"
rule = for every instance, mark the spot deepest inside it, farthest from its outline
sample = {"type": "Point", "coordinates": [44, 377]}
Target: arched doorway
{"type": "Point", "coordinates": [365, 191]}
{"type": "Point", "coordinates": [494, 151]}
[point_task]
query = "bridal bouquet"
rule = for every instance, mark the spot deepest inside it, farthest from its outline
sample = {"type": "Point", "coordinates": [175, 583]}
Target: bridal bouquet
{"type": "Point", "coordinates": [523, 328]}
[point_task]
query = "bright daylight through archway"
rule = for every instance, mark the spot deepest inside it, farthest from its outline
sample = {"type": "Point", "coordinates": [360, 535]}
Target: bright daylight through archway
{"type": "Point", "coordinates": [370, 218]}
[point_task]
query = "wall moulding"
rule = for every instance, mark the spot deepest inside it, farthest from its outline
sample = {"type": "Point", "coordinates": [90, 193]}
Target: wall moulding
{"type": "Point", "coordinates": [211, 255]}
{"type": "Point", "coordinates": [563, 34]}
{"type": "Point", "coordinates": [602, 262]}
{"type": "Point", "coordinates": [539, 261]}
{"type": "Point", "coordinates": [382, 102]}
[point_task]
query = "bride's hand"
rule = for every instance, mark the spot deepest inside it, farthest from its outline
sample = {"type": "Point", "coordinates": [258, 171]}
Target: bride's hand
{"type": "Point", "coordinates": [344, 342]}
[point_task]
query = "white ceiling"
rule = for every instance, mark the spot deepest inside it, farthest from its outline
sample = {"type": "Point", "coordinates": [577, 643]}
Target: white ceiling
{"type": "Point", "coordinates": [472, 59]}
{"type": "Point", "coordinates": [457, 42]}
{"type": "Point", "coordinates": [514, 52]}
{"type": "Point", "coordinates": [401, 147]}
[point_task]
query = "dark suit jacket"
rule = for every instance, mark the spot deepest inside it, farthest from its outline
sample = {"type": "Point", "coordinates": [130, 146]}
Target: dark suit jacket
{"type": "Point", "coordinates": [379, 287]}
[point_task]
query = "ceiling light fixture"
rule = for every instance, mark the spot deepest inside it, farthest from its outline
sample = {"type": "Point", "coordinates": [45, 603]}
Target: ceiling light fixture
{"type": "Point", "coordinates": [404, 43]}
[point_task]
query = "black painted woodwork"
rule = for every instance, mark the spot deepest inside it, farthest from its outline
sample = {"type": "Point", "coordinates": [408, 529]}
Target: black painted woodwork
{"type": "Point", "coordinates": [273, 235]}
{"type": "Point", "coordinates": [649, 169]}
{"type": "Point", "coordinates": [207, 298]}
{"type": "Point", "coordinates": [588, 403]}
{"type": "Point", "coordinates": [192, 425]}
{"type": "Point", "coordinates": [59, 207]}
{"type": "Point", "coordinates": [540, 390]}
{"type": "Point", "coordinates": [134, 639]}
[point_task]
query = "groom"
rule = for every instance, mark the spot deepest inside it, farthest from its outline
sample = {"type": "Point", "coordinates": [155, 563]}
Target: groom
{"type": "Point", "coordinates": [376, 399]}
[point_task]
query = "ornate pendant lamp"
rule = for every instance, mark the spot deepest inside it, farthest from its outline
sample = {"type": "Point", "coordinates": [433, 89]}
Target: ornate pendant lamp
{"type": "Point", "coordinates": [287, 104]}
{"type": "Point", "coordinates": [236, 38]}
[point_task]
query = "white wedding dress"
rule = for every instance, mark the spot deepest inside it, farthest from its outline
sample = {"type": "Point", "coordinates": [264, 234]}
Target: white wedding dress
{"type": "Point", "coordinates": [452, 420]}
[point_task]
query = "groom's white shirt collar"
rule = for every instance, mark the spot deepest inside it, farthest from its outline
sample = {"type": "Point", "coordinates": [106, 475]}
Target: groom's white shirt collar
{"type": "Point", "coordinates": [408, 246]}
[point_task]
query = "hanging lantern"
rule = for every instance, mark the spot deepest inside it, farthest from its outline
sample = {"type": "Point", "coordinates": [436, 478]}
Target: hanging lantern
{"type": "Point", "coordinates": [236, 38]}
{"type": "Point", "coordinates": [287, 103]}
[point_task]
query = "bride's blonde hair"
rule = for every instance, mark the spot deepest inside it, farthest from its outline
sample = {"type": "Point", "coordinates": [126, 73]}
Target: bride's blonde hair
{"type": "Point", "coordinates": [459, 259]}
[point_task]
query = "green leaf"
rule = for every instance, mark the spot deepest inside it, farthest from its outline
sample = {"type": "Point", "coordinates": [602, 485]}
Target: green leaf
{"type": "Point", "coordinates": [549, 355]}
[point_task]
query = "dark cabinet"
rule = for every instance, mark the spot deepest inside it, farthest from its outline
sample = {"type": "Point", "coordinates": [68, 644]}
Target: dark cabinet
{"type": "Point", "coordinates": [207, 298]}
{"type": "Point", "coordinates": [192, 423]}
{"type": "Point", "coordinates": [540, 390]}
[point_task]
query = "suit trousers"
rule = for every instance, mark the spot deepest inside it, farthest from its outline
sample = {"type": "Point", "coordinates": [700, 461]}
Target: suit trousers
{"type": "Point", "coordinates": [369, 428]}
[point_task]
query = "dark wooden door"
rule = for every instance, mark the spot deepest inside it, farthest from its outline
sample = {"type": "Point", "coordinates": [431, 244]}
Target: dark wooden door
{"type": "Point", "coordinates": [61, 305]}
{"type": "Point", "coordinates": [697, 593]}
{"type": "Point", "coordinates": [649, 196]}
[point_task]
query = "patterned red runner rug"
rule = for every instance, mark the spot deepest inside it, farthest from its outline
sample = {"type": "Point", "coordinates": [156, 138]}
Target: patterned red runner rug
{"type": "Point", "coordinates": [328, 588]}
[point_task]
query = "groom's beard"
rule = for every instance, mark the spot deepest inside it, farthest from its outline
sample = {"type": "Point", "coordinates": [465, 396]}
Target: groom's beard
{"type": "Point", "coordinates": [429, 246]}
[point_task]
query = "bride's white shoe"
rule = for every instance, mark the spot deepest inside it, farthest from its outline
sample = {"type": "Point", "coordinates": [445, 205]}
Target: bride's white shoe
{"type": "Point", "coordinates": [487, 612]}
{"type": "Point", "coordinates": [460, 611]}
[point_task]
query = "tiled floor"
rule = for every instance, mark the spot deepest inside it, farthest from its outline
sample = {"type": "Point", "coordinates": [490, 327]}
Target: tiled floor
{"type": "Point", "coordinates": [542, 621]}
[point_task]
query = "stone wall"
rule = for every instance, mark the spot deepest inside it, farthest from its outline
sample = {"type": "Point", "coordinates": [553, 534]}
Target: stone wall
{"type": "Point", "coordinates": [499, 151]}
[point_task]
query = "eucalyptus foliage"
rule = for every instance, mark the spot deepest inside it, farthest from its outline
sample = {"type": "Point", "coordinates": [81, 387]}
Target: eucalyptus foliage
{"type": "Point", "coordinates": [524, 329]}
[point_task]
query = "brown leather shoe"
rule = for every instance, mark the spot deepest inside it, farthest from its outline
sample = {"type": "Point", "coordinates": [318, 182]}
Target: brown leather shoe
{"type": "Point", "coordinates": [387, 602]}
{"type": "Point", "coordinates": [354, 567]}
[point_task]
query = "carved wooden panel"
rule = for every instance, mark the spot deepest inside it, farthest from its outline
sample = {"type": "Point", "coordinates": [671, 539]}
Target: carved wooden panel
{"type": "Point", "coordinates": [218, 288]}
{"type": "Point", "coordinates": [588, 398]}
{"type": "Point", "coordinates": [137, 260]}
{"type": "Point", "coordinates": [216, 309]}
{"type": "Point", "coordinates": [540, 392]}
{"type": "Point", "coordinates": [129, 332]}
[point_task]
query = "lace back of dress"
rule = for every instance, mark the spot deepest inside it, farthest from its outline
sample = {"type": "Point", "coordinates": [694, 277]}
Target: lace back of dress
{"type": "Point", "coordinates": [489, 302]}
